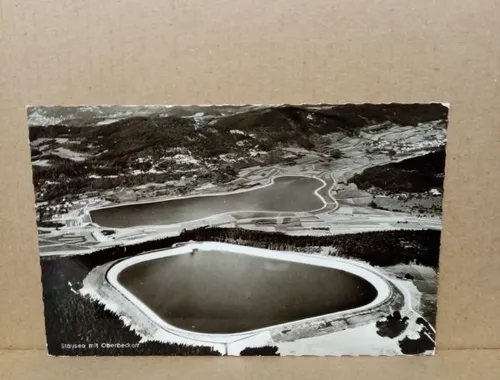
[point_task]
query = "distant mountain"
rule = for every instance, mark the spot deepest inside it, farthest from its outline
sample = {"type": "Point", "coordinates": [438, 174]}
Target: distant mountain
{"type": "Point", "coordinates": [79, 116]}
{"type": "Point", "coordinates": [252, 127]}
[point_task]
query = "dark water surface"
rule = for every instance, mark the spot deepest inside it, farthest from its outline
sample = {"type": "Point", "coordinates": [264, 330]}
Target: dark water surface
{"type": "Point", "coordinates": [224, 292]}
{"type": "Point", "coordinates": [285, 194]}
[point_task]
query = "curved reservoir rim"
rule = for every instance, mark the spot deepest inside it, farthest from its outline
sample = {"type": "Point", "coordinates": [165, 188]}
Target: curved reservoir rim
{"type": "Point", "coordinates": [378, 281]}
{"type": "Point", "coordinates": [89, 210]}
{"type": "Point", "coordinates": [129, 278]}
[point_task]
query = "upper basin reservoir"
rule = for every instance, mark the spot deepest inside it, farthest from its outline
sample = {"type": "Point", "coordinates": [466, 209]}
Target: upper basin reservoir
{"type": "Point", "coordinates": [284, 194]}
{"type": "Point", "coordinates": [223, 292]}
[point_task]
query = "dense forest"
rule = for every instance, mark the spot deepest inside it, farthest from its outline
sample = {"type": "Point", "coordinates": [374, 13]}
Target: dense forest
{"type": "Point", "coordinates": [73, 318]}
{"type": "Point", "coordinates": [379, 248]}
{"type": "Point", "coordinates": [413, 175]}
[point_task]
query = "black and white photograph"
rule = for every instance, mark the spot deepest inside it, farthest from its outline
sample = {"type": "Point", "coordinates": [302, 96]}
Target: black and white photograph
{"type": "Point", "coordinates": [239, 230]}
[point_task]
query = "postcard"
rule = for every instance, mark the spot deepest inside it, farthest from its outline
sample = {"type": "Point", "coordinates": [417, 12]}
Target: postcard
{"type": "Point", "coordinates": [228, 230]}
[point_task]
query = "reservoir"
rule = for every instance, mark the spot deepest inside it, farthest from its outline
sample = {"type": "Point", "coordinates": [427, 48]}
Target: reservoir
{"type": "Point", "coordinates": [223, 292]}
{"type": "Point", "coordinates": [284, 194]}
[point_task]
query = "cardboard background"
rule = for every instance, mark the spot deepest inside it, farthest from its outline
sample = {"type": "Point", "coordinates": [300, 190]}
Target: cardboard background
{"type": "Point", "coordinates": [257, 51]}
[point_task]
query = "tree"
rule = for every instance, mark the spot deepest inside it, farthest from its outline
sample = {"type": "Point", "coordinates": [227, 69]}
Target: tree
{"type": "Point", "coordinates": [336, 153]}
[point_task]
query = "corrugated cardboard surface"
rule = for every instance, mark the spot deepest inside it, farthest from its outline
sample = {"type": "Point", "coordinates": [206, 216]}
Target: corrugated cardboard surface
{"type": "Point", "coordinates": [256, 51]}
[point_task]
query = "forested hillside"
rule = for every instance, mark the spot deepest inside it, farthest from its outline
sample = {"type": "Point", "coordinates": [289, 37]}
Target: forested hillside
{"type": "Point", "coordinates": [413, 175]}
{"type": "Point", "coordinates": [73, 158]}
